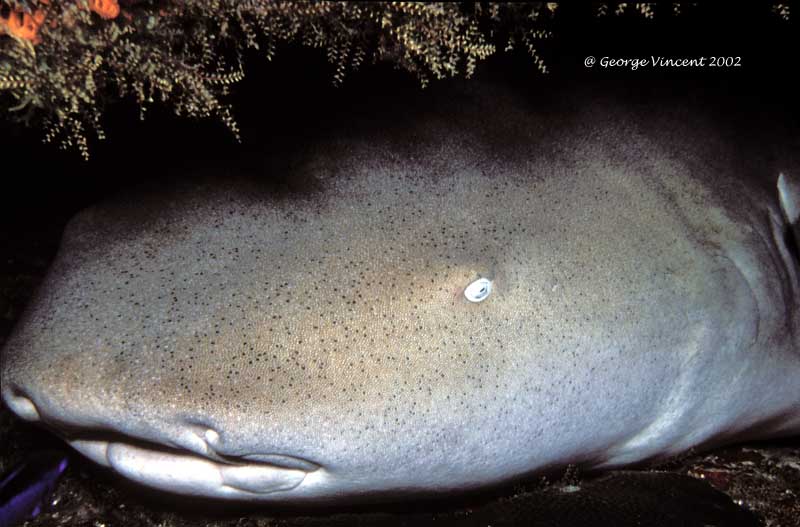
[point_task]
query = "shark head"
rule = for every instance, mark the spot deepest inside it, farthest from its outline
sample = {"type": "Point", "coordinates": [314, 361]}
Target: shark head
{"type": "Point", "coordinates": [216, 344]}
{"type": "Point", "coordinates": [420, 323]}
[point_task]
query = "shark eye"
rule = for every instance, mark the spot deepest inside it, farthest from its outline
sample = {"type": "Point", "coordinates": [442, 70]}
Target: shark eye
{"type": "Point", "coordinates": [478, 290]}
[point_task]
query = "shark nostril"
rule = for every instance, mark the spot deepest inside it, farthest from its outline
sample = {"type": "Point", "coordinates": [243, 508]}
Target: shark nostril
{"type": "Point", "coordinates": [211, 436]}
{"type": "Point", "coordinates": [200, 438]}
{"type": "Point", "coordinates": [22, 405]}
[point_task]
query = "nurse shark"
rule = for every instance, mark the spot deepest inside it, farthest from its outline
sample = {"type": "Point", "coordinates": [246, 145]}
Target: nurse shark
{"type": "Point", "coordinates": [433, 313]}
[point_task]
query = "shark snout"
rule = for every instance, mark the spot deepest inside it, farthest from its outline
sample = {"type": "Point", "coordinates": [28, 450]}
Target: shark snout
{"type": "Point", "coordinates": [181, 455]}
{"type": "Point", "coordinates": [20, 404]}
{"type": "Point", "coordinates": [54, 409]}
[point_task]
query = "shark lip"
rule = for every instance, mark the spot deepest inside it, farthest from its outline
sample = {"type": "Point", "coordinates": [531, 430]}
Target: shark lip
{"type": "Point", "coordinates": [190, 474]}
{"type": "Point", "coordinates": [190, 462]}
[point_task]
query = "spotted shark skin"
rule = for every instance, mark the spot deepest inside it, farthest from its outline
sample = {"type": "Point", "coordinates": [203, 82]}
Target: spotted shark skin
{"type": "Point", "coordinates": [220, 339]}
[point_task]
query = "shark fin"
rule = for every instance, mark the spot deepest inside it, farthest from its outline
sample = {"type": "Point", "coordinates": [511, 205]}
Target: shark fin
{"type": "Point", "coordinates": [789, 197]}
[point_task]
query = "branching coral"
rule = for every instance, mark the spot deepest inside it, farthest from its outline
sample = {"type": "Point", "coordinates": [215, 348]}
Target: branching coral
{"type": "Point", "coordinates": [86, 53]}
{"type": "Point", "coordinates": [61, 61]}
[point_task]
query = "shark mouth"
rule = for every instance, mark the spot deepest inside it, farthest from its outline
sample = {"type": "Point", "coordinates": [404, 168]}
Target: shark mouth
{"type": "Point", "coordinates": [189, 474]}
{"type": "Point", "coordinates": [190, 460]}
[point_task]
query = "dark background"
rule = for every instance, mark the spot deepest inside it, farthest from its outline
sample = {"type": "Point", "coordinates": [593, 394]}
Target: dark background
{"type": "Point", "coordinates": [291, 100]}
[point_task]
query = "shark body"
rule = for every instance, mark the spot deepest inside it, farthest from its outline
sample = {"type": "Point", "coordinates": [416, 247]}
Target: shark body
{"type": "Point", "coordinates": [220, 340]}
